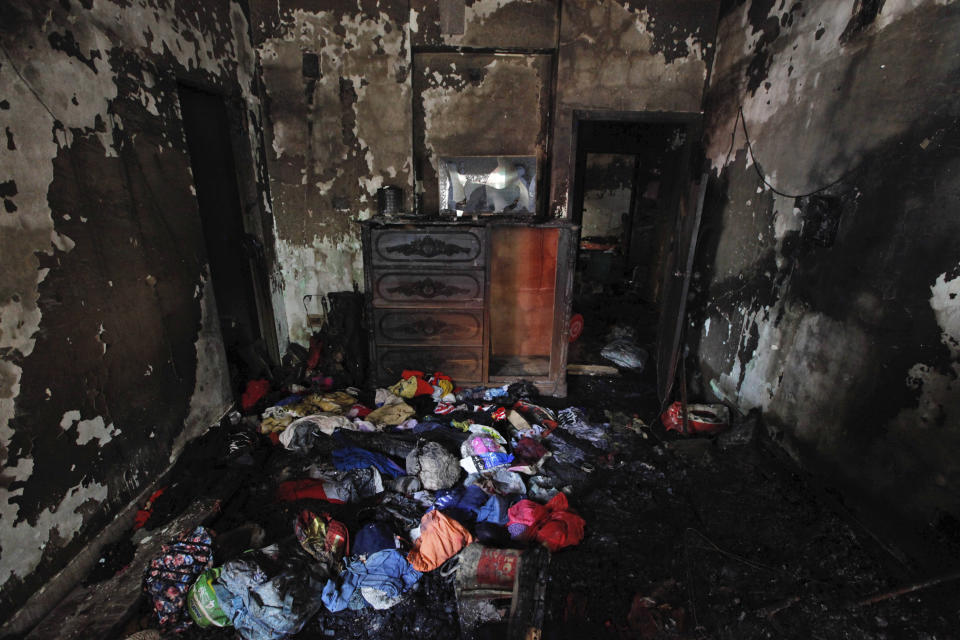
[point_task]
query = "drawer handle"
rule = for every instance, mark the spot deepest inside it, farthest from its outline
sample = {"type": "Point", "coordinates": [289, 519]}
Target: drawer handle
{"type": "Point", "coordinates": [428, 247]}
{"type": "Point", "coordinates": [425, 327]}
{"type": "Point", "coordinates": [427, 288]}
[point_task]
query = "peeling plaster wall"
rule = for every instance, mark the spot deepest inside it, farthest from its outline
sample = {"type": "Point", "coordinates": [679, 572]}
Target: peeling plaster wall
{"type": "Point", "coordinates": [626, 56]}
{"type": "Point", "coordinates": [110, 351]}
{"type": "Point", "coordinates": [501, 24]}
{"type": "Point", "coordinates": [478, 105]}
{"type": "Point", "coordinates": [851, 350]}
{"type": "Point", "coordinates": [332, 140]}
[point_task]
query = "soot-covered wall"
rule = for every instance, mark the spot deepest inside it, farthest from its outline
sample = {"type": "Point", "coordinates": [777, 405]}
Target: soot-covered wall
{"type": "Point", "coordinates": [110, 348]}
{"type": "Point", "coordinates": [336, 84]}
{"type": "Point", "coordinates": [839, 319]}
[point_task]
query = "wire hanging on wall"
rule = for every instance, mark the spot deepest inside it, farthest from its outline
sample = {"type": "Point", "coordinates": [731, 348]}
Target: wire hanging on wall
{"type": "Point", "coordinates": [742, 121]}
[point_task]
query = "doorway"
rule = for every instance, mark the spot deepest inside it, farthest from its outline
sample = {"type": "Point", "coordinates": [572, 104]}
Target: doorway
{"type": "Point", "coordinates": [235, 256]}
{"type": "Point", "coordinates": [631, 171]}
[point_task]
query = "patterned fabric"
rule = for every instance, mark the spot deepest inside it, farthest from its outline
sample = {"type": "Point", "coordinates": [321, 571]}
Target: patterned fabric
{"type": "Point", "coordinates": [170, 575]}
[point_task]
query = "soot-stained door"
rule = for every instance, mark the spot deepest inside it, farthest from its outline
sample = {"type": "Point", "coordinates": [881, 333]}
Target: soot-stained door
{"type": "Point", "coordinates": [231, 252]}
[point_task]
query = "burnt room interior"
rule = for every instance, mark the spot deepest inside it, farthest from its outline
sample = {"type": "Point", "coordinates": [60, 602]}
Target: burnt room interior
{"type": "Point", "coordinates": [479, 319]}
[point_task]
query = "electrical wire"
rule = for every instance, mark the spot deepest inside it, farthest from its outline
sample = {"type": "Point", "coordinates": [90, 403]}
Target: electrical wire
{"type": "Point", "coordinates": [759, 169]}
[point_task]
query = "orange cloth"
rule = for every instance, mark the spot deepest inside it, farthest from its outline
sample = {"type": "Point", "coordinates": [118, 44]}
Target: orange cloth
{"type": "Point", "coordinates": [440, 539]}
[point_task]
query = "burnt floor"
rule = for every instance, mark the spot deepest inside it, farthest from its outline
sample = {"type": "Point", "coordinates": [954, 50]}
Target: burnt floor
{"type": "Point", "coordinates": [685, 539]}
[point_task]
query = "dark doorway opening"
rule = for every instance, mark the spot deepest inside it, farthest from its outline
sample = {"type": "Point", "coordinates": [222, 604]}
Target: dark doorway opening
{"type": "Point", "coordinates": [236, 262]}
{"type": "Point", "coordinates": [630, 174]}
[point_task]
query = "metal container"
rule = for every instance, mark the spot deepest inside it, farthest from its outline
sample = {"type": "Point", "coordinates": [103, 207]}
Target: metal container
{"type": "Point", "coordinates": [389, 200]}
{"type": "Point", "coordinates": [486, 572]}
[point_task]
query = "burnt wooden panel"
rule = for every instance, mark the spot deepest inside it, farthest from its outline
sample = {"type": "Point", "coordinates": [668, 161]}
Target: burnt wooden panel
{"type": "Point", "coordinates": [464, 365]}
{"type": "Point", "coordinates": [434, 326]}
{"type": "Point", "coordinates": [416, 288]}
{"type": "Point", "coordinates": [457, 247]}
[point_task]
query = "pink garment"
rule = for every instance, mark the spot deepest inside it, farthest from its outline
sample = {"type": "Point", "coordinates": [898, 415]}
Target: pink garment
{"type": "Point", "coordinates": [552, 524]}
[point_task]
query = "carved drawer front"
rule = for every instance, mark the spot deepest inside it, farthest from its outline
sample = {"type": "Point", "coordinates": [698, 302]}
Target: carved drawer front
{"type": "Point", "coordinates": [419, 288]}
{"type": "Point", "coordinates": [429, 327]}
{"type": "Point", "coordinates": [462, 247]}
{"type": "Point", "coordinates": [461, 364]}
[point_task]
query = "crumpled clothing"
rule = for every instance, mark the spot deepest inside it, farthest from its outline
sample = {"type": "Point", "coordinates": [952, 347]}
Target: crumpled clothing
{"type": "Point", "coordinates": [391, 415]}
{"type": "Point", "coordinates": [300, 434]}
{"type": "Point", "coordinates": [441, 538]}
{"type": "Point", "coordinates": [385, 398]}
{"type": "Point", "coordinates": [435, 466]}
{"type": "Point", "coordinates": [357, 458]}
{"type": "Point", "coordinates": [264, 606]}
{"type": "Point", "coordinates": [461, 503]}
{"type": "Point", "coordinates": [358, 411]}
{"type": "Point", "coordinates": [271, 424]}
{"type": "Point", "coordinates": [335, 486]}
{"type": "Point", "coordinates": [373, 537]}
{"type": "Point", "coordinates": [536, 414]}
{"type": "Point", "coordinates": [324, 538]}
{"type": "Point", "coordinates": [342, 400]}
{"type": "Point", "coordinates": [496, 509]}
{"type": "Point", "coordinates": [552, 524]}
{"type": "Point", "coordinates": [254, 393]}
{"type": "Point", "coordinates": [341, 486]}
{"type": "Point", "coordinates": [542, 488]}
{"type": "Point", "coordinates": [574, 421]}
{"type": "Point", "coordinates": [406, 388]}
{"type": "Point", "coordinates": [387, 572]}
{"type": "Point", "coordinates": [476, 394]}
{"type": "Point", "coordinates": [529, 456]}
{"type": "Point", "coordinates": [499, 482]}
{"type": "Point", "coordinates": [406, 485]}
{"type": "Point", "coordinates": [170, 575]}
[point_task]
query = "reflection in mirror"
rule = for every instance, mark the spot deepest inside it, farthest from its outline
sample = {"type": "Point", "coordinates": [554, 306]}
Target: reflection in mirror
{"type": "Point", "coordinates": [488, 184]}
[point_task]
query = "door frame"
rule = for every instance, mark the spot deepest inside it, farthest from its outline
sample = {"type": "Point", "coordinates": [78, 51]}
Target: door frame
{"type": "Point", "coordinates": [690, 169]}
{"type": "Point", "coordinates": [256, 221]}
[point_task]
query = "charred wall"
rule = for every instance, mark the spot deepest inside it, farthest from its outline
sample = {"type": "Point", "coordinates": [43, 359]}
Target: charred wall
{"type": "Point", "coordinates": [336, 85]}
{"type": "Point", "coordinates": [626, 57]}
{"type": "Point", "coordinates": [110, 349]}
{"type": "Point", "coordinates": [839, 315]}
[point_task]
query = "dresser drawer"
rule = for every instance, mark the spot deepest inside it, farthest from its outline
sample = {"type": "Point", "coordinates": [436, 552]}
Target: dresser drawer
{"type": "Point", "coordinates": [464, 365]}
{"type": "Point", "coordinates": [457, 247]}
{"type": "Point", "coordinates": [393, 288]}
{"type": "Point", "coordinates": [437, 326]}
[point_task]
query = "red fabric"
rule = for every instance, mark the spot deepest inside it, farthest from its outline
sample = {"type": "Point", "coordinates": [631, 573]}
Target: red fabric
{"type": "Point", "coordinates": [528, 451]}
{"type": "Point", "coordinates": [274, 437]}
{"type": "Point", "coordinates": [255, 391]}
{"type": "Point", "coordinates": [362, 411]}
{"type": "Point", "coordinates": [144, 514]}
{"type": "Point", "coordinates": [313, 358]}
{"type": "Point", "coordinates": [552, 524]}
{"type": "Point", "coordinates": [525, 512]}
{"type": "Point", "coordinates": [303, 489]}
{"type": "Point", "coordinates": [424, 388]}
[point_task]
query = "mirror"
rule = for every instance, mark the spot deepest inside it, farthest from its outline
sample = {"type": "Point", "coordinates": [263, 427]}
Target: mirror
{"type": "Point", "coordinates": [488, 184]}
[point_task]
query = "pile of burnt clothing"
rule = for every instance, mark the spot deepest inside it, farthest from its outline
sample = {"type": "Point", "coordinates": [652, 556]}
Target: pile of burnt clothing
{"type": "Point", "coordinates": [419, 470]}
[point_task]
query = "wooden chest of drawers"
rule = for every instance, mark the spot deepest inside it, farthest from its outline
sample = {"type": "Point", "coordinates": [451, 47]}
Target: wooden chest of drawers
{"type": "Point", "coordinates": [429, 288]}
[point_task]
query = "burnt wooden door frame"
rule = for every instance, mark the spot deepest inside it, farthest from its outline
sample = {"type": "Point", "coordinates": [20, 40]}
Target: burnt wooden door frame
{"type": "Point", "coordinates": [251, 213]}
{"type": "Point", "coordinates": [672, 298]}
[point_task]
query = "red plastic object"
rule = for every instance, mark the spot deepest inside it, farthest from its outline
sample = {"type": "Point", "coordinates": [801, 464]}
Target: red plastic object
{"type": "Point", "coordinates": [256, 390]}
{"type": "Point", "coordinates": [576, 326]}
{"type": "Point", "coordinates": [701, 418]}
